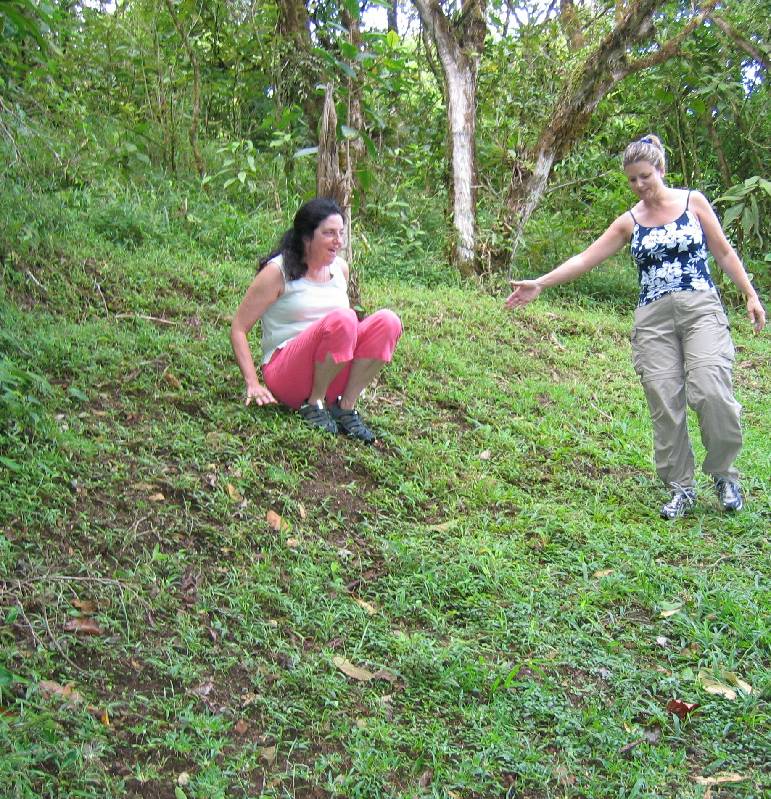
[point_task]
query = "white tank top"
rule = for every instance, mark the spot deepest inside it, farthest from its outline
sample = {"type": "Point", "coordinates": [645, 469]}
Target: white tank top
{"type": "Point", "coordinates": [302, 303]}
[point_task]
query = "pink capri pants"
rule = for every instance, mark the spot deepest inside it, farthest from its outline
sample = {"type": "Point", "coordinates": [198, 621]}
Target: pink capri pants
{"type": "Point", "coordinates": [289, 373]}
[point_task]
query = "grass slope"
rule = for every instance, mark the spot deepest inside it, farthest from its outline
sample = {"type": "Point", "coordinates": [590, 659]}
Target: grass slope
{"type": "Point", "coordinates": [497, 562]}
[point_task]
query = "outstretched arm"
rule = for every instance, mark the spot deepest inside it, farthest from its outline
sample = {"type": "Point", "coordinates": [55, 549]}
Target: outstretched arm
{"type": "Point", "coordinates": [727, 259]}
{"type": "Point", "coordinates": [263, 292]}
{"type": "Point", "coordinates": [609, 243]}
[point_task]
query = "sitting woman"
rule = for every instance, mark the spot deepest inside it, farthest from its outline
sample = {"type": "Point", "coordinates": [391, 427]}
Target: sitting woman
{"type": "Point", "coordinates": [317, 356]}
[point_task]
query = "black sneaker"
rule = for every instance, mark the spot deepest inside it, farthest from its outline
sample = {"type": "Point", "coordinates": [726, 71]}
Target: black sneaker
{"type": "Point", "coordinates": [350, 423]}
{"type": "Point", "coordinates": [682, 502]}
{"type": "Point", "coordinates": [317, 414]}
{"type": "Point", "coordinates": [729, 494]}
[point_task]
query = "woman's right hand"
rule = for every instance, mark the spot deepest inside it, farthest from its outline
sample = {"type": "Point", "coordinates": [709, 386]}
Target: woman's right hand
{"type": "Point", "coordinates": [525, 291]}
{"type": "Point", "coordinates": [259, 395]}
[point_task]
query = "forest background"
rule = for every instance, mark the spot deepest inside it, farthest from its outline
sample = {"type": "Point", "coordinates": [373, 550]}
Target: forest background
{"type": "Point", "coordinates": [165, 635]}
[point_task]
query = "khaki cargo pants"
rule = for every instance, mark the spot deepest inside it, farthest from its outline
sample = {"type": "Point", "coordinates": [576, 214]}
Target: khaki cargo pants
{"type": "Point", "coordinates": [682, 350]}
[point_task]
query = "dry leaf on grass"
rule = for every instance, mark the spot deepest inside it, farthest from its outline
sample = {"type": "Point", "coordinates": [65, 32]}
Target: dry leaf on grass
{"type": "Point", "coordinates": [442, 527]}
{"type": "Point", "coordinates": [425, 778]}
{"type": "Point", "coordinates": [725, 686]}
{"type": "Point", "coordinates": [274, 520]}
{"type": "Point", "coordinates": [681, 709]}
{"type": "Point", "coordinates": [602, 573]}
{"type": "Point", "coordinates": [203, 690]}
{"type": "Point", "coordinates": [241, 727]}
{"type": "Point", "coordinates": [292, 543]}
{"type": "Point", "coordinates": [350, 670]}
{"type": "Point", "coordinates": [71, 697]}
{"type": "Point", "coordinates": [157, 497]}
{"type": "Point", "coordinates": [362, 603]}
{"type": "Point", "coordinates": [719, 779]}
{"type": "Point", "coordinates": [83, 625]}
{"type": "Point", "coordinates": [670, 611]}
{"type": "Point", "coordinates": [385, 674]}
{"type": "Point", "coordinates": [485, 455]}
{"type": "Point", "coordinates": [301, 510]}
{"type": "Point", "coordinates": [86, 606]}
{"type": "Point", "coordinates": [268, 754]}
{"type": "Point", "coordinates": [233, 493]}
{"type": "Point", "coordinates": [49, 688]}
{"type": "Point", "coordinates": [172, 381]}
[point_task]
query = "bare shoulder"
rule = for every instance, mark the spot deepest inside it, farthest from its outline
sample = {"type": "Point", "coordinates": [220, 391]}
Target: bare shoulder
{"type": "Point", "coordinates": [623, 225]}
{"type": "Point", "coordinates": [697, 200]}
{"type": "Point", "coordinates": [269, 280]}
{"type": "Point", "coordinates": [343, 264]}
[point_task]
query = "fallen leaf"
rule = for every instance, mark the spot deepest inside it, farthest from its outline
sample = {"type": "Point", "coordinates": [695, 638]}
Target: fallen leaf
{"type": "Point", "coordinates": [86, 606]}
{"type": "Point", "coordinates": [102, 716]}
{"type": "Point", "coordinates": [719, 779]}
{"type": "Point", "coordinates": [274, 520]}
{"type": "Point", "coordinates": [183, 779]}
{"type": "Point", "coordinates": [732, 678]}
{"type": "Point", "coordinates": [301, 510]}
{"type": "Point", "coordinates": [485, 455]}
{"type": "Point", "coordinates": [268, 754]}
{"type": "Point", "coordinates": [143, 486]}
{"type": "Point", "coordinates": [49, 688]}
{"type": "Point", "coordinates": [292, 543]}
{"type": "Point", "coordinates": [241, 727]}
{"type": "Point", "coordinates": [670, 611]}
{"type": "Point", "coordinates": [233, 492]}
{"type": "Point", "coordinates": [443, 527]}
{"type": "Point", "coordinates": [350, 670]}
{"type": "Point", "coordinates": [385, 674]}
{"type": "Point", "coordinates": [425, 778]}
{"type": "Point", "coordinates": [362, 603]}
{"type": "Point", "coordinates": [248, 699]}
{"type": "Point", "coordinates": [662, 640]}
{"type": "Point", "coordinates": [156, 497]}
{"type": "Point", "coordinates": [172, 381]}
{"type": "Point", "coordinates": [681, 709]}
{"type": "Point", "coordinates": [83, 625]}
{"type": "Point", "coordinates": [715, 687]}
{"type": "Point", "coordinates": [602, 573]}
{"type": "Point", "coordinates": [204, 689]}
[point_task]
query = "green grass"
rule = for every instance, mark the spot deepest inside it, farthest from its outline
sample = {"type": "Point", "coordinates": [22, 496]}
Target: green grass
{"type": "Point", "coordinates": [505, 533]}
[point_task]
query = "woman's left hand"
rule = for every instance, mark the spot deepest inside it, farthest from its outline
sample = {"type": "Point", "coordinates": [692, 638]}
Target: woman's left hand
{"type": "Point", "coordinates": [756, 313]}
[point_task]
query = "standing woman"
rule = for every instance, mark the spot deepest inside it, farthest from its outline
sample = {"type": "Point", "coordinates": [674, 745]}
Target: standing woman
{"type": "Point", "coordinates": [681, 346]}
{"type": "Point", "coordinates": [317, 357]}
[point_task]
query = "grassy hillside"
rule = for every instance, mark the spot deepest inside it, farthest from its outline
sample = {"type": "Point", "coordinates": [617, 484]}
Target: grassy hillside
{"type": "Point", "coordinates": [486, 604]}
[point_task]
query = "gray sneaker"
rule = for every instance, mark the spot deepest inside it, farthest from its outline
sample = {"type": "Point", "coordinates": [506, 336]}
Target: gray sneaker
{"type": "Point", "coordinates": [682, 502]}
{"type": "Point", "coordinates": [350, 423]}
{"type": "Point", "coordinates": [729, 494]}
{"type": "Point", "coordinates": [316, 414]}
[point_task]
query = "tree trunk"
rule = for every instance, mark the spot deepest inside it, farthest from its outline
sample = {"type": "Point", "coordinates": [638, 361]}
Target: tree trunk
{"type": "Point", "coordinates": [459, 47]}
{"type": "Point", "coordinates": [393, 18]}
{"type": "Point", "coordinates": [605, 66]}
{"type": "Point", "coordinates": [297, 71]}
{"type": "Point", "coordinates": [333, 182]}
{"type": "Point", "coordinates": [193, 132]}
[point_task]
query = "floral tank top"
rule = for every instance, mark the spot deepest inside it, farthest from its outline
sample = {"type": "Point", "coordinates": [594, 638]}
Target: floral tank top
{"type": "Point", "coordinates": [671, 257]}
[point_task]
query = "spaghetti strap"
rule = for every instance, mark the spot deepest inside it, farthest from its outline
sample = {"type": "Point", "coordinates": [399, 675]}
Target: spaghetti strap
{"type": "Point", "coordinates": [633, 217]}
{"type": "Point", "coordinates": [688, 198]}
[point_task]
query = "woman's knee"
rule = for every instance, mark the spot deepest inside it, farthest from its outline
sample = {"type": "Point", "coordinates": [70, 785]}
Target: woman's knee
{"type": "Point", "coordinates": [388, 322]}
{"type": "Point", "coordinates": [342, 320]}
